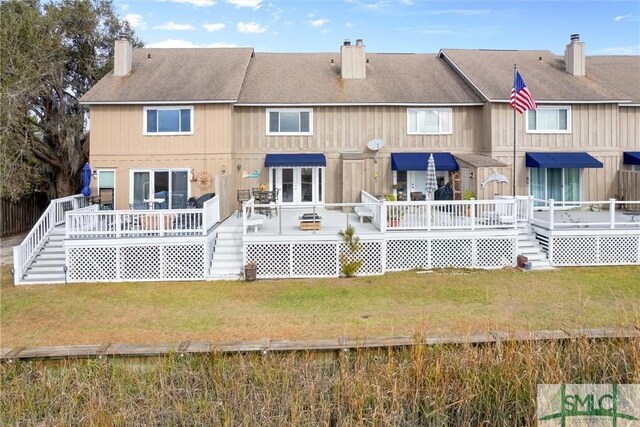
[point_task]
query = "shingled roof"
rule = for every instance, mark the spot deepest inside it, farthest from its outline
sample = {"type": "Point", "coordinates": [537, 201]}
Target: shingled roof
{"type": "Point", "coordinates": [176, 75]}
{"type": "Point", "coordinates": [621, 73]}
{"type": "Point", "coordinates": [312, 79]}
{"type": "Point", "coordinates": [491, 72]}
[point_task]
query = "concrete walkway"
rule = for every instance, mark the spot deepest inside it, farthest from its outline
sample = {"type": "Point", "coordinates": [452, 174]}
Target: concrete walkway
{"type": "Point", "coordinates": [6, 247]}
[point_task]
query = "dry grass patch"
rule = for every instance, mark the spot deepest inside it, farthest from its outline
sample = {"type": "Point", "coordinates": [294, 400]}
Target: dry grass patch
{"type": "Point", "coordinates": [442, 301]}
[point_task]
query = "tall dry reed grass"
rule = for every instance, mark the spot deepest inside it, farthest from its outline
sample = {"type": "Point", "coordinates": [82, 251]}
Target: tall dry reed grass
{"type": "Point", "coordinates": [493, 384]}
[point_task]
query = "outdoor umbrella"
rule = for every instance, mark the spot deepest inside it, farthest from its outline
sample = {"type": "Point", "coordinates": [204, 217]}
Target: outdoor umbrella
{"type": "Point", "coordinates": [432, 182]}
{"type": "Point", "coordinates": [86, 180]}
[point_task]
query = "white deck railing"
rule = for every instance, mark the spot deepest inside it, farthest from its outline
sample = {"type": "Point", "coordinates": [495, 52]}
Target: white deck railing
{"type": "Point", "coordinates": [415, 215]}
{"type": "Point", "coordinates": [141, 223]}
{"type": "Point", "coordinates": [53, 216]}
{"type": "Point", "coordinates": [551, 214]}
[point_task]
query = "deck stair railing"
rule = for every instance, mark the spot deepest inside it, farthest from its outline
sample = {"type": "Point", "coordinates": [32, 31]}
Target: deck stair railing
{"type": "Point", "coordinates": [53, 216]}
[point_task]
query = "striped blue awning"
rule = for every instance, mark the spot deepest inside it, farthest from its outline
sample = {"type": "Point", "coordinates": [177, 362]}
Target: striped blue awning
{"type": "Point", "coordinates": [294, 160]}
{"type": "Point", "coordinates": [418, 161]}
{"type": "Point", "coordinates": [631, 158]}
{"type": "Point", "coordinates": [562, 160]}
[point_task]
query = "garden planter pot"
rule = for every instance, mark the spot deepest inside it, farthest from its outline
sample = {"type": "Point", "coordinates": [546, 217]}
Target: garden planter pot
{"type": "Point", "coordinates": [250, 273]}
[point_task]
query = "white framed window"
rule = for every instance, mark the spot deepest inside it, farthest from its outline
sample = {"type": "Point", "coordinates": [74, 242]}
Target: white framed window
{"type": "Point", "coordinates": [429, 121]}
{"type": "Point", "coordinates": [290, 121]}
{"type": "Point", "coordinates": [176, 120]}
{"type": "Point", "coordinates": [549, 120]}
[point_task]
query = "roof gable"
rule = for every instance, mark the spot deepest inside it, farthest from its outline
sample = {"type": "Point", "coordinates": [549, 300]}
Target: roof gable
{"type": "Point", "coordinates": [491, 71]}
{"type": "Point", "coordinates": [176, 75]}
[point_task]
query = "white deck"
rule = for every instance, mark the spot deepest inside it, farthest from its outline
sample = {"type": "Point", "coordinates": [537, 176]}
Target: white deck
{"type": "Point", "coordinates": [287, 223]}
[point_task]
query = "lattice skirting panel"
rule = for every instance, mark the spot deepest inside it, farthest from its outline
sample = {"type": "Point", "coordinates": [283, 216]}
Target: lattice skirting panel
{"type": "Point", "coordinates": [595, 250]}
{"type": "Point", "coordinates": [137, 262]}
{"type": "Point", "coordinates": [322, 259]}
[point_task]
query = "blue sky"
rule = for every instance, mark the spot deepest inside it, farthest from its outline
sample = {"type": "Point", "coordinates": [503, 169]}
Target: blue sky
{"type": "Point", "coordinates": [421, 26]}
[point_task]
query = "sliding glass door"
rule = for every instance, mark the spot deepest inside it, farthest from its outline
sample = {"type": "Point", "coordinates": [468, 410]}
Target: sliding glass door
{"type": "Point", "coordinates": [171, 186]}
{"type": "Point", "coordinates": [561, 185]}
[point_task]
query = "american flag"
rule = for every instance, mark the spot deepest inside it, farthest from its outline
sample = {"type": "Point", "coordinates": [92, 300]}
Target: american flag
{"type": "Point", "coordinates": [521, 100]}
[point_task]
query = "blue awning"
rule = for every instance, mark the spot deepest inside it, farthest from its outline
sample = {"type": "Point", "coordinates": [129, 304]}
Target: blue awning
{"type": "Point", "coordinates": [294, 160]}
{"type": "Point", "coordinates": [631, 158]}
{"type": "Point", "coordinates": [418, 161]}
{"type": "Point", "coordinates": [562, 160]}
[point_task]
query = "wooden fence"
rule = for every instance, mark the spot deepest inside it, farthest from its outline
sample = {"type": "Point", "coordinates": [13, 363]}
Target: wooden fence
{"type": "Point", "coordinates": [20, 216]}
{"type": "Point", "coordinates": [341, 344]}
{"type": "Point", "coordinates": [628, 185]}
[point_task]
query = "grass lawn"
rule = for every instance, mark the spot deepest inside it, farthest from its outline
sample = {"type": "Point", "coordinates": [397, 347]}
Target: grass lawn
{"type": "Point", "coordinates": [443, 301]}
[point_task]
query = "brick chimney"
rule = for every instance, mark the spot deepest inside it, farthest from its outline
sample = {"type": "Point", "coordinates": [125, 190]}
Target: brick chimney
{"type": "Point", "coordinates": [574, 56]}
{"type": "Point", "coordinates": [354, 60]}
{"type": "Point", "coordinates": [122, 57]}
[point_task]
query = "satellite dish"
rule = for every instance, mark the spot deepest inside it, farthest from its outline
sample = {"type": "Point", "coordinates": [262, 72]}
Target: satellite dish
{"type": "Point", "coordinates": [375, 144]}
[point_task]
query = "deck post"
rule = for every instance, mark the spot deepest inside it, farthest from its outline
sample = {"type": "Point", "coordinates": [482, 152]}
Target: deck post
{"type": "Point", "coordinates": [612, 213]}
{"type": "Point", "coordinates": [473, 213]}
{"type": "Point", "coordinates": [383, 217]}
{"type": "Point", "coordinates": [530, 210]}
{"type": "Point", "coordinates": [552, 204]}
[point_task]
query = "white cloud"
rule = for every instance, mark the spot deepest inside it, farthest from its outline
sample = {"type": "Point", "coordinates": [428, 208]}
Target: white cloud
{"type": "Point", "coordinates": [348, 25]}
{"type": "Point", "coordinates": [172, 43]}
{"type": "Point", "coordinates": [250, 27]}
{"type": "Point", "coordinates": [135, 20]}
{"type": "Point", "coordinates": [172, 26]}
{"type": "Point", "coordinates": [222, 44]}
{"type": "Point", "coordinates": [124, 7]}
{"type": "Point", "coordinates": [196, 3]}
{"type": "Point", "coordinates": [213, 27]}
{"type": "Point", "coordinates": [253, 4]}
{"type": "Point", "coordinates": [178, 43]}
{"type": "Point", "coordinates": [622, 17]}
{"type": "Point", "coordinates": [622, 50]}
{"type": "Point", "coordinates": [319, 22]}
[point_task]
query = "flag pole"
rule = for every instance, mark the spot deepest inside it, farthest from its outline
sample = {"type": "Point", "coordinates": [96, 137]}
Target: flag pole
{"type": "Point", "coordinates": [514, 137]}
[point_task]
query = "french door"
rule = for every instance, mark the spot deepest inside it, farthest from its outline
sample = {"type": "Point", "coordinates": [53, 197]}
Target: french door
{"type": "Point", "coordinates": [170, 185]}
{"type": "Point", "coordinates": [561, 185]}
{"type": "Point", "coordinates": [298, 184]}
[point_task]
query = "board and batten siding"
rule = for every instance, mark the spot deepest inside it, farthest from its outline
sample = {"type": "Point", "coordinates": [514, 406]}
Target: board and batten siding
{"type": "Point", "coordinates": [340, 129]}
{"type": "Point", "coordinates": [629, 125]}
{"type": "Point", "coordinates": [594, 129]}
{"type": "Point", "coordinates": [337, 129]}
{"type": "Point", "coordinates": [118, 142]}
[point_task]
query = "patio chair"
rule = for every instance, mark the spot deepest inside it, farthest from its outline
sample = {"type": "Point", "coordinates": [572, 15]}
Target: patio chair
{"type": "Point", "coordinates": [139, 206]}
{"type": "Point", "coordinates": [243, 196]}
{"type": "Point", "coordinates": [178, 201]}
{"type": "Point", "coordinates": [265, 198]}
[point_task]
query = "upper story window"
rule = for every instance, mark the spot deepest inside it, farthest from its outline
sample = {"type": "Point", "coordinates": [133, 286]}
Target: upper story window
{"type": "Point", "coordinates": [549, 120]}
{"type": "Point", "coordinates": [290, 121]}
{"type": "Point", "coordinates": [428, 121]}
{"type": "Point", "coordinates": [168, 120]}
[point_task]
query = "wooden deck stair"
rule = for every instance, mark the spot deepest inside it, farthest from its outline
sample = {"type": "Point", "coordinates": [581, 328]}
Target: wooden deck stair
{"type": "Point", "coordinates": [227, 256]}
{"type": "Point", "coordinates": [48, 265]}
{"type": "Point", "coordinates": [529, 246]}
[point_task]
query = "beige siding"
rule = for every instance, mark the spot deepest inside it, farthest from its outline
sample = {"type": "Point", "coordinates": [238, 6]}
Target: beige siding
{"type": "Point", "coordinates": [593, 129]}
{"type": "Point", "coordinates": [338, 129]}
{"type": "Point", "coordinates": [117, 142]}
{"type": "Point", "coordinates": [629, 128]}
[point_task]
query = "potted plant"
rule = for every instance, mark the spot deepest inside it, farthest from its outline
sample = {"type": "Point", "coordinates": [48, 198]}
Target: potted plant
{"type": "Point", "coordinates": [468, 195]}
{"type": "Point", "coordinates": [262, 187]}
{"type": "Point", "coordinates": [394, 213]}
{"type": "Point", "coordinates": [250, 271]}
